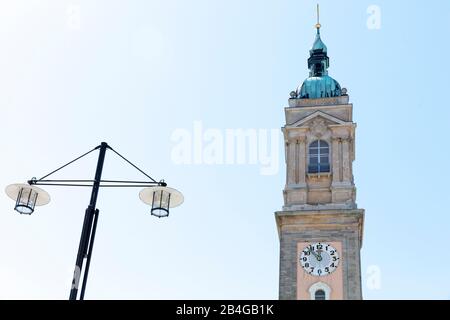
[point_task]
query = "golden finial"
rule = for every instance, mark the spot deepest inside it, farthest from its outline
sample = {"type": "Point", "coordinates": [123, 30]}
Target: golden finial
{"type": "Point", "coordinates": [318, 25]}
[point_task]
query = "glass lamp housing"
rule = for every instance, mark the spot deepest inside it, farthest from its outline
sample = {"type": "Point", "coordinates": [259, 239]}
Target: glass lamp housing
{"type": "Point", "coordinates": [161, 199]}
{"type": "Point", "coordinates": [27, 197]}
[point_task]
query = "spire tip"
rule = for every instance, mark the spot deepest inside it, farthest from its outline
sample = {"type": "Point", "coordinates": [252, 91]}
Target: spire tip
{"type": "Point", "coordinates": [318, 25]}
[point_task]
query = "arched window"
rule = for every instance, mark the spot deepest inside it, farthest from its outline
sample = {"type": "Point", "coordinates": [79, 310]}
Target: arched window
{"type": "Point", "coordinates": [320, 291]}
{"type": "Point", "coordinates": [319, 295]}
{"type": "Point", "coordinates": [319, 157]}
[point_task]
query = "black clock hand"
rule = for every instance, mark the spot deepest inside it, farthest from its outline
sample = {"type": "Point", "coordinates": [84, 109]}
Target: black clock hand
{"type": "Point", "coordinates": [313, 253]}
{"type": "Point", "coordinates": [317, 255]}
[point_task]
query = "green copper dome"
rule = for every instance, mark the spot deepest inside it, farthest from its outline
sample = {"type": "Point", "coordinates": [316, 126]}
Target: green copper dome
{"type": "Point", "coordinates": [319, 87]}
{"type": "Point", "coordinates": [319, 84]}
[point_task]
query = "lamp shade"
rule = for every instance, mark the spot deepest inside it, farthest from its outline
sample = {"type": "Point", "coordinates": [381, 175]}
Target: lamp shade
{"type": "Point", "coordinates": [161, 199]}
{"type": "Point", "coordinates": [27, 197]}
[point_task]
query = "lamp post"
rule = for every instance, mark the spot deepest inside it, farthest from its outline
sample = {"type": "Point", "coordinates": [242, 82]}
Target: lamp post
{"type": "Point", "coordinates": [156, 194]}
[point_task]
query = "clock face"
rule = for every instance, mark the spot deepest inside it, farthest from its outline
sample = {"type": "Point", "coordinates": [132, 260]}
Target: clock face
{"type": "Point", "coordinates": [319, 259]}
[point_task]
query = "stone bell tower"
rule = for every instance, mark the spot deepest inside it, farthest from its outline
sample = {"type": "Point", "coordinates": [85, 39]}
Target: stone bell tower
{"type": "Point", "coordinates": [320, 227]}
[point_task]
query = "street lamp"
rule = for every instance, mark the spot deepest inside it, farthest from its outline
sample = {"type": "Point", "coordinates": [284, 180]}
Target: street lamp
{"type": "Point", "coordinates": [161, 199]}
{"type": "Point", "coordinates": [27, 197]}
{"type": "Point", "coordinates": [156, 194]}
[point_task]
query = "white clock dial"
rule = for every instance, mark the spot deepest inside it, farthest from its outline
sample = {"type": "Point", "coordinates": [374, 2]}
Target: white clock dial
{"type": "Point", "coordinates": [319, 259]}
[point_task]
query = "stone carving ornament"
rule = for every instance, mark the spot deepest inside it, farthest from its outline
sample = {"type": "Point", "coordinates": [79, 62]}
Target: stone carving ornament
{"type": "Point", "coordinates": [318, 127]}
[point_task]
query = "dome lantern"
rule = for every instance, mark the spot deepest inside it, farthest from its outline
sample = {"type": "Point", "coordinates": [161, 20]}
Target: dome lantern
{"type": "Point", "coordinates": [319, 84]}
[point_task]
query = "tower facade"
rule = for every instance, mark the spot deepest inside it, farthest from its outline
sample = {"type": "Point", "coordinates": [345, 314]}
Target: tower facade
{"type": "Point", "coordinates": [320, 226]}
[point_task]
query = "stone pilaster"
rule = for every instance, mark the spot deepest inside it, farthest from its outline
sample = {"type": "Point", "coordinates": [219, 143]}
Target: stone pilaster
{"type": "Point", "coordinates": [302, 161]}
{"type": "Point", "coordinates": [336, 160]}
{"type": "Point", "coordinates": [351, 158]}
{"type": "Point", "coordinates": [346, 174]}
{"type": "Point", "coordinates": [295, 192]}
{"type": "Point", "coordinates": [290, 172]}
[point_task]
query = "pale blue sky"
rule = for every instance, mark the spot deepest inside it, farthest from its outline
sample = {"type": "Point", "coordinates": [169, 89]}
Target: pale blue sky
{"type": "Point", "coordinates": [132, 72]}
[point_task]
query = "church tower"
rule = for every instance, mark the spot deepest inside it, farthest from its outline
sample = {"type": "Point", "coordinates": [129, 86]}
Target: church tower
{"type": "Point", "coordinates": [320, 227]}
